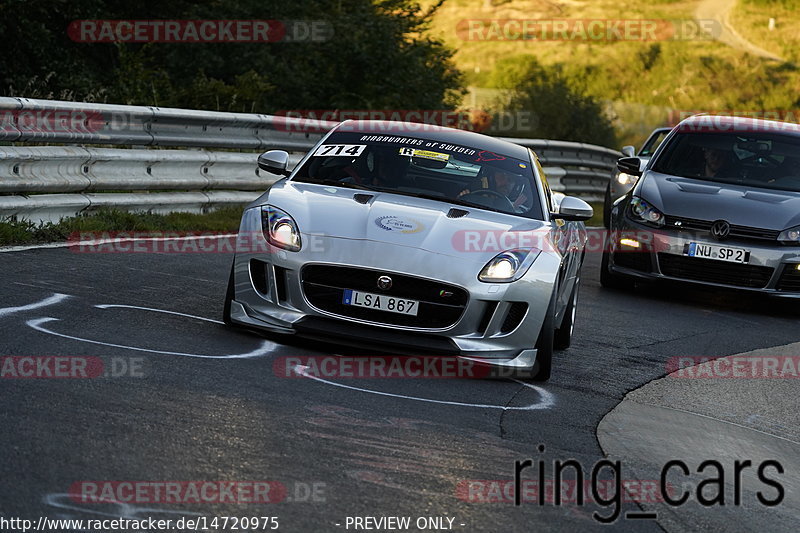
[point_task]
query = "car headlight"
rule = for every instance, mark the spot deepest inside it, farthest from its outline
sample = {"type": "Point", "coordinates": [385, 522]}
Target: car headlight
{"type": "Point", "coordinates": [644, 212]}
{"type": "Point", "coordinates": [790, 236]}
{"type": "Point", "coordinates": [508, 266]}
{"type": "Point", "coordinates": [280, 229]}
{"type": "Point", "coordinates": [626, 179]}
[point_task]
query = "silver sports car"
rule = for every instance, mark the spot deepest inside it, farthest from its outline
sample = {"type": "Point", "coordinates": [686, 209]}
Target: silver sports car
{"type": "Point", "coordinates": [718, 204]}
{"type": "Point", "coordinates": [417, 240]}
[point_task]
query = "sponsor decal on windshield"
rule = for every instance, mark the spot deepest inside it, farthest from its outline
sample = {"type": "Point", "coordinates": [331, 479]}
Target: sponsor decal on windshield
{"type": "Point", "coordinates": [424, 154]}
{"type": "Point", "coordinates": [422, 143]}
{"type": "Point", "coordinates": [398, 224]}
{"type": "Point", "coordinates": [485, 155]}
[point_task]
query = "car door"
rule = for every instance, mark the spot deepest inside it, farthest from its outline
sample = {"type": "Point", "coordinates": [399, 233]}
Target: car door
{"type": "Point", "coordinates": [564, 238]}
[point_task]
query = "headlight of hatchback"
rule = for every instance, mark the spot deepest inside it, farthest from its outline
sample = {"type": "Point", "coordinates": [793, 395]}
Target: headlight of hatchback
{"type": "Point", "coordinates": [626, 179]}
{"type": "Point", "coordinates": [280, 229]}
{"type": "Point", "coordinates": [508, 266]}
{"type": "Point", "coordinates": [790, 236]}
{"type": "Point", "coordinates": [643, 211]}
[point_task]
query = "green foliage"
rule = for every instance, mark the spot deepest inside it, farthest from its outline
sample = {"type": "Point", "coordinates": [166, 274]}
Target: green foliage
{"type": "Point", "coordinates": [561, 107]}
{"type": "Point", "coordinates": [13, 232]}
{"type": "Point", "coordinates": [787, 4]}
{"type": "Point", "coordinates": [379, 56]}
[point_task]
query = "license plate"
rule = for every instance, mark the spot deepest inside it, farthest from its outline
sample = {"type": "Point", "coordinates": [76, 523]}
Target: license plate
{"type": "Point", "coordinates": [380, 302]}
{"type": "Point", "coordinates": [719, 253]}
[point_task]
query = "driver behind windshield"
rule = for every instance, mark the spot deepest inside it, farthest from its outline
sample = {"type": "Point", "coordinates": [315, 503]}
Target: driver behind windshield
{"type": "Point", "coordinates": [718, 162]}
{"type": "Point", "coordinates": [502, 182]}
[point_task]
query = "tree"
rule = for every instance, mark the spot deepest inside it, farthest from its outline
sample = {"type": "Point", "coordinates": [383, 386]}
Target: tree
{"type": "Point", "coordinates": [379, 56]}
{"type": "Point", "coordinates": [560, 108]}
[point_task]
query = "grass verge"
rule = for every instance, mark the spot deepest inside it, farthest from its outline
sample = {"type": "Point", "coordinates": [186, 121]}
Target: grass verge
{"type": "Point", "coordinates": [17, 232]}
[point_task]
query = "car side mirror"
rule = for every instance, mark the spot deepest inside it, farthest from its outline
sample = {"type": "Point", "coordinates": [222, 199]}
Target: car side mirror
{"type": "Point", "coordinates": [573, 209]}
{"type": "Point", "coordinates": [274, 162]}
{"type": "Point", "coordinates": [630, 165]}
{"type": "Point", "coordinates": [628, 151]}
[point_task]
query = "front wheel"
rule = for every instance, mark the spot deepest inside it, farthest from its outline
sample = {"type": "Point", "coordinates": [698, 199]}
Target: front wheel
{"type": "Point", "coordinates": [226, 309]}
{"type": "Point", "coordinates": [563, 335]}
{"type": "Point", "coordinates": [544, 344]}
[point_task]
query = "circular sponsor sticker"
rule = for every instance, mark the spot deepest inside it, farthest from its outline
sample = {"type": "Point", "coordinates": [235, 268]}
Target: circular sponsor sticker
{"type": "Point", "coordinates": [399, 224]}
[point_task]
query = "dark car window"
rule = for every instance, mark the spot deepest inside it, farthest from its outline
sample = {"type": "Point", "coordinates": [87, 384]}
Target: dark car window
{"type": "Point", "coordinates": [652, 143]}
{"type": "Point", "coordinates": [416, 166]}
{"type": "Point", "coordinates": [756, 159]}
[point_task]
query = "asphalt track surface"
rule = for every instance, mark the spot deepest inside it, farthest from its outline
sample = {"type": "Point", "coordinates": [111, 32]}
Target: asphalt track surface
{"type": "Point", "coordinates": [204, 402]}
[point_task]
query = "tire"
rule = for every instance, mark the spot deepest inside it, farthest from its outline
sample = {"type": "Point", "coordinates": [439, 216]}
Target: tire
{"type": "Point", "coordinates": [562, 337]}
{"type": "Point", "coordinates": [612, 280]}
{"type": "Point", "coordinates": [544, 344]}
{"type": "Point", "coordinates": [226, 309]}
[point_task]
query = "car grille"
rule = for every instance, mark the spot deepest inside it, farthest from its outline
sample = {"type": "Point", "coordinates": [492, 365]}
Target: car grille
{"type": "Point", "coordinates": [737, 232]}
{"type": "Point", "coordinates": [712, 271]}
{"type": "Point", "coordinates": [790, 279]}
{"type": "Point", "coordinates": [516, 312]}
{"type": "Point", "coordinates": [440, 304]}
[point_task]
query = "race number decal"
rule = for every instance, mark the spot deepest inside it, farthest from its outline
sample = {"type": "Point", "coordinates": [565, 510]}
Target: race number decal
{"type": "Point", "coordinates": [344, 150]}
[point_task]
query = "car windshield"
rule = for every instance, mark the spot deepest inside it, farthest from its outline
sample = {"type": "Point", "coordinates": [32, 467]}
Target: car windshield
{"type": "Point", "coordinates": [758, 159]}
{"type": "Point", "coordinates": [415, 166]}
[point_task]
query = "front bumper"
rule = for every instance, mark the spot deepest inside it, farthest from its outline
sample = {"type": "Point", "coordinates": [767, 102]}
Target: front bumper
{"type": "Point", "coordinates": [772, 268]}
{"type": "Point", "coordinates": [270, 295]}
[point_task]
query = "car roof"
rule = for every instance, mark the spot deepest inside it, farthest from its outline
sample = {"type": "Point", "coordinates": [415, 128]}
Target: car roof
{"type": "Point", "coordinates": [435, 133]}
{"type": "Point", "coordinates": [705, 123]}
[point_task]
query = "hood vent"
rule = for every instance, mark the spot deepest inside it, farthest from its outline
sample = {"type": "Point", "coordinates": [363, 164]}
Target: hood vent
{"type": "Point", "coordinates": [363, 198]}
{"type": "Point", "coordinates": [456, 213]}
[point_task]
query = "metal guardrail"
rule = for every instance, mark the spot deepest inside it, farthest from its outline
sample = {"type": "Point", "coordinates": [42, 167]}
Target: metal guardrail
{"type": "Point", "coordinates": [575, 168]}
{"type": "Point", "coordinates": [35, 121]}
{"type": "Point", "coordinates": [49, 182]}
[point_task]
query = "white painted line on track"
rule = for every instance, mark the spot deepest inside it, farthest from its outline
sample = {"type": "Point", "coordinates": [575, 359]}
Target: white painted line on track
{"type": "Point", "coordinates": [64, 500]}
{"type": "Point", "coordinates": [547, 399]}
{"type": "Point", "coordinates": [265, 349]}
{"type": "Point", "coordinates": [54, 299]}
{"type": "Point", "coordinates": [109, 306]}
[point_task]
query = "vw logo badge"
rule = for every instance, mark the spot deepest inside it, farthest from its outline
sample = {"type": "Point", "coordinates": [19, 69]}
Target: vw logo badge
{"type": "Point", "coordinates": [384, 283]}
{"type": "Point", "coordinates": [720, 230]}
